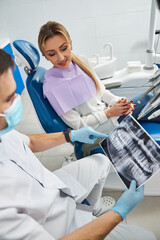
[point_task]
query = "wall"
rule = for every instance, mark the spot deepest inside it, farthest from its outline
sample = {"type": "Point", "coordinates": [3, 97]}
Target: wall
{"type": "Point", "coordinates": [91, 24]}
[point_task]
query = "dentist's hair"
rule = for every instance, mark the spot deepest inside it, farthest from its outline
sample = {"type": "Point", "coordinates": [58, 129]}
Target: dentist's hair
{"type": "Point", "coordinates": [51, 29]}
{"type": "Point", "coordinates": [6, 61]}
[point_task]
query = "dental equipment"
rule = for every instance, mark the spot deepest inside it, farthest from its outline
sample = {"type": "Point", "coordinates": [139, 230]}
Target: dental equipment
{"type": "Point", "coordinates": [149, 108]}
{"type": "Point", "coordinates": [133, 79]}
{"type": "Point", "coordinates": [155, 87]}
{"type": "Point", "coordinates": [155, 76]}
{"type": "Point", "coordinates": [154, 98]}
{"type": "Point", "coordinates": [154, 115]}
{"type": "Point", "coordinates": [149, 90]}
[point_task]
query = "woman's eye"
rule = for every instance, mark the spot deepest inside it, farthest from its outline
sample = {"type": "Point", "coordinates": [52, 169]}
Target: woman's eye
{"type": "Point", "coordinates": [51, 55]}
{"type": "Point", "coordinates": [65, 48]}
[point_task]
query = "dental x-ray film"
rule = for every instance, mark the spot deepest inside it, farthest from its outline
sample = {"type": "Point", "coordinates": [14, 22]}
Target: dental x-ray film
{"type": "Point", "coordinates": [133, 153]}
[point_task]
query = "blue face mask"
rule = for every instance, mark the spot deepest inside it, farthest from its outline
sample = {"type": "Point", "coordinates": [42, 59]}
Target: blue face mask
{"type": "Point", "coordinates": [13, 115]}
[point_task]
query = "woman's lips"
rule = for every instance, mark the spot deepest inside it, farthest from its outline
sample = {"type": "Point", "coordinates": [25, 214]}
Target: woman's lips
{"type": "Point", "coordinates": [63, 63]}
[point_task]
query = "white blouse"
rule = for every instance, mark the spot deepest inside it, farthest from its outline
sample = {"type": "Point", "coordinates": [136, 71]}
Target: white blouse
{"type": "Point", "coordinates": [91, 113]}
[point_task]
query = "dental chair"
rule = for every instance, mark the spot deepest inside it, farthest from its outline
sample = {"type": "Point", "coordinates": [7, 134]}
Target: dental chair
{"type": "Point", "coordinates": [26, 54]}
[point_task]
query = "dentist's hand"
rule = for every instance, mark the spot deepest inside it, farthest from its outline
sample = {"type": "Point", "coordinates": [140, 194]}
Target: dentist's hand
{"type": "Point", "coordinates": [86, 135]}
{"type": "Point", "coordinates": [129, 199]}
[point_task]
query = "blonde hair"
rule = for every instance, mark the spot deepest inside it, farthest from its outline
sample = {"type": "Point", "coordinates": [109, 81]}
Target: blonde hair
{"type": "Point", "coordinates": [52, 28]}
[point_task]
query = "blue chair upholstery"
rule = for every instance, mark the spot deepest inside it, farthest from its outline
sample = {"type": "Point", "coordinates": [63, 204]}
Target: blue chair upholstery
{"type": "Point", "coordinates": [153, 128]}
{"type": "Point", "coordinates": [48, 118]}
{"type": "Point", "coordinates": [79, 152]}
{"type": "Point", "coordinates": [28, 55]}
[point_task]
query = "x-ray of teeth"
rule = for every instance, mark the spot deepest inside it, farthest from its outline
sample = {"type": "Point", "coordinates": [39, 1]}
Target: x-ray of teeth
{"type": "Point", "coordinates": [133, 153]}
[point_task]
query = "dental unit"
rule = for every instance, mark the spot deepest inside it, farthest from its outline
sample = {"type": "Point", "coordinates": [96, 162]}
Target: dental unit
{"type": "Point", "coordinates": [104, 66]}
{"type": "Point", "coordinates": [133, 79]}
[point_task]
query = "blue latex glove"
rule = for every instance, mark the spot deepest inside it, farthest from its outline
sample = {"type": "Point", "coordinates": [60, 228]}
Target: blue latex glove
{"type": "Point", "coordinates": [86, 135]}
{"type": "Point", "coordinates": [129, 199]}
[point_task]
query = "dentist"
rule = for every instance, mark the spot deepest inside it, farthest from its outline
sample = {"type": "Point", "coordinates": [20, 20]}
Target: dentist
{"type": "Point", "coordinates": [37, 204]}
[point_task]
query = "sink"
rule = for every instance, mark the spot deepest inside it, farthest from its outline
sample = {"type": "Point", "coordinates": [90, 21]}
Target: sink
{"type": "Point", "coordinates": [105, 67]}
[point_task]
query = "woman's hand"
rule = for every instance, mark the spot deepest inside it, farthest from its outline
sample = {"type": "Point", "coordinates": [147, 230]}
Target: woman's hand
{"type": "Point", "coordinates": [130, 105]}
{"type": "Point", "coordinates": [120, 108]}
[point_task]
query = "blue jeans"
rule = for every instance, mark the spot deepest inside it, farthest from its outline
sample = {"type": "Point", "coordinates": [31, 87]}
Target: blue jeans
{"type": "Point", "coordinates": [139, 108]}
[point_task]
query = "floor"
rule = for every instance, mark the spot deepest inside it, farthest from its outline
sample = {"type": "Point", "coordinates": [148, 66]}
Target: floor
{"type": "Point", "coordinates": [146, 214]}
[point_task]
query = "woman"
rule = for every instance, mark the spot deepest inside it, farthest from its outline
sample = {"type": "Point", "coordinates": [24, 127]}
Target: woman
{"type": "Point", "coordinates": [73, 88]}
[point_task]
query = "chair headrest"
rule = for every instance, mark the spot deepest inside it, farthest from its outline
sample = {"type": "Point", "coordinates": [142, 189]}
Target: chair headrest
{"type": "Point", "coordinates": [26, 54]}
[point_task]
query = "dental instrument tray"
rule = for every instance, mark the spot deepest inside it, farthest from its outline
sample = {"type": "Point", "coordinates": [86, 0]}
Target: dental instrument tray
{"type": "Point", "coordinates": [132, 152]}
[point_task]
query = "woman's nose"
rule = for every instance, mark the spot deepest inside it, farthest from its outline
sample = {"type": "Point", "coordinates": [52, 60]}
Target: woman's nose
{"type": "Point", "coordinates": [60, 57]}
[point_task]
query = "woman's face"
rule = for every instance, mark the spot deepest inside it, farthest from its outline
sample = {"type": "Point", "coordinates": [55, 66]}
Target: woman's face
{"type": "Point", "coordinates": [58, 51]}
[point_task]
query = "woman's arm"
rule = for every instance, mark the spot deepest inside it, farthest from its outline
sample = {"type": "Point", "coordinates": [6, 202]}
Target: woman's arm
{"type": "Point", "coordinates": [73, 119]}
{"type": "Point", "coordinates": [119, 106]}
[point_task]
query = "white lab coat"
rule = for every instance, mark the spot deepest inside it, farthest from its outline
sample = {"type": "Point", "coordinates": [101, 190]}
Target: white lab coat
{"type": "Point", "coordinates": [36, 205]}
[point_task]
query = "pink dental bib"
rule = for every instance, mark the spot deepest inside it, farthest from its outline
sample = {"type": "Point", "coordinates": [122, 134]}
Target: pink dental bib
{"type": "Point", "coordinates": [67, 89]}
